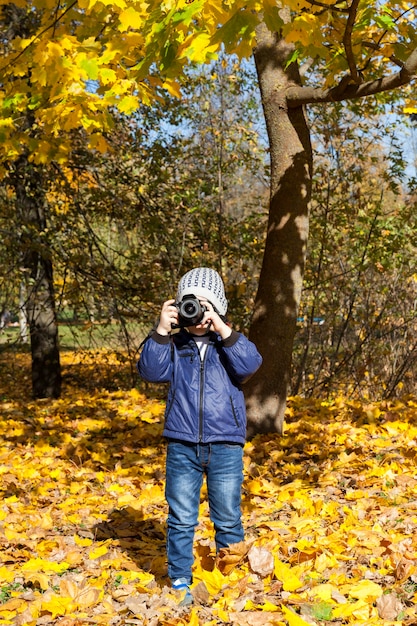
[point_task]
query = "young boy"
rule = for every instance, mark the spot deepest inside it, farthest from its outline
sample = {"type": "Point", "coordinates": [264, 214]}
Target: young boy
{"type": "Point", "coordinates": [205, 418]}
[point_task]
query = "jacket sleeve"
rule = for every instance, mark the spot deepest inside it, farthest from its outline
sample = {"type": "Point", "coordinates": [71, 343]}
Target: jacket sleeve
{"type": "Point", "coordinates": [243, 358]}
{"type": "Point", "coordinates": [155, 362]}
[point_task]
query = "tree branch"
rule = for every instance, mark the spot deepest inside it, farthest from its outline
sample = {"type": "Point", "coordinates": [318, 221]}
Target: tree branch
{"type": "Point", "coordinates": [347, 41]}
{"type": "Point", "coordinates": [298, 95]}
{"type": "Point", "coordinates": [376, 47]}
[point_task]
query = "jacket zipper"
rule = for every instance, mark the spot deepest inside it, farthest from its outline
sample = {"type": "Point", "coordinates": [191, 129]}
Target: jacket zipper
{"type": "Point", "coordinates": [201, 407]}
{"type": "Point", "coordinates": [200, 414]}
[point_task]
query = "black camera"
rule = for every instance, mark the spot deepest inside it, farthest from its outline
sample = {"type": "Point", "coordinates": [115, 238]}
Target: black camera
{"type": "Point", "coordinates": [190, 312]}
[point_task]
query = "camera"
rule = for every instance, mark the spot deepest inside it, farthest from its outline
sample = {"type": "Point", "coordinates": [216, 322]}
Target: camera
{"type": "Point", "coordinates": [190, 312]}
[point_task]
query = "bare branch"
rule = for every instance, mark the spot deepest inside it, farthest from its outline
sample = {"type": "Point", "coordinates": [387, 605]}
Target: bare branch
{"type": "Point", "coordinates": [298, 95]}
{"type": "Point", "coordinates": [375, 46]}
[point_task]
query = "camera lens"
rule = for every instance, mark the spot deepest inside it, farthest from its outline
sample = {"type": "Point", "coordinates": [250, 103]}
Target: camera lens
{"type": "Point", "coordinates": [189, 309]}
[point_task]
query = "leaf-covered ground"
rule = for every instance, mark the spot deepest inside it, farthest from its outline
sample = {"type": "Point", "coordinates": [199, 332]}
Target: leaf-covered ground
{"type": "Point", "coordinates": [330, 510]}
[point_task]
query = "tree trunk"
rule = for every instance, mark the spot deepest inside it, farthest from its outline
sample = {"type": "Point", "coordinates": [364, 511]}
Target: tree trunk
{"type": "Point", "coordinates": [37, 269]}
{"type": "Point", "coordinates": [35, 256]}
{"type": "Point", "coordinates": [23, 319]}
{"type": "Point", "coordinates": [276, 306]}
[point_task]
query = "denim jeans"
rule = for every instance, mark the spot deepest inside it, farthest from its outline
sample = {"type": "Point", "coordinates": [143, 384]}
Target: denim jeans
{"type": "Point", "coordinates": [186, 465]}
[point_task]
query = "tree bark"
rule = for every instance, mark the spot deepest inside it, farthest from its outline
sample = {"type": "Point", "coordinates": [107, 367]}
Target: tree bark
{"type": "Point", "coordinates": [275, 312]}
{"type": "Point", "coordinates": [276, 306]}
{"type": "Point", "coordinates": [36, 265]}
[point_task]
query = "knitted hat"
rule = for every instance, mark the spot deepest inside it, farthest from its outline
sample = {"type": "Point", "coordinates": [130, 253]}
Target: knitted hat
{"type": "Point", "coordinates": [206, 283]}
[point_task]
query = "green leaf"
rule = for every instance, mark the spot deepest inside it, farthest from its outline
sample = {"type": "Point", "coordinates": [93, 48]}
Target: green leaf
{"type": "Point", "coordinates": [293, 58]}
{"type": "Point", "coordinates": [90, 67]}
{"type": "Point", "coordinates": [185, 16]}
{"type": "Point", "coordinates": [272, 18]}
{"type": "Point", "coordinates": [322, 611]}
{"type": "Point", "coordinates": [385, 21]}
{"type": "Point", "coordinates": [242, 23]}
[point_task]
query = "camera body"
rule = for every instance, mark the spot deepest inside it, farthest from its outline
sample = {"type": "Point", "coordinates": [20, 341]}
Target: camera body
{"type": "Point", "coordinates": [190, 311]}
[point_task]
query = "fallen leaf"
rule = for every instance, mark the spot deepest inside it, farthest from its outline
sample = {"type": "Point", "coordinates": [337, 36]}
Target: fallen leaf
{"type": "Point", "coordinates": [200, 593]}
{"type": "Point", "coordinates": [229, 557]}
{"type": "Point", "coordinates": [292, 618]}
{"type": "Point", "coordinates": [261, 561]}
{"type": "Point", "coordinates": [389, 606]}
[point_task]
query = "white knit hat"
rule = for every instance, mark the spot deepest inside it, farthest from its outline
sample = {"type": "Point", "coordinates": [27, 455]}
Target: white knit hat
{"type": "Point", "coordinates": [206, 283]}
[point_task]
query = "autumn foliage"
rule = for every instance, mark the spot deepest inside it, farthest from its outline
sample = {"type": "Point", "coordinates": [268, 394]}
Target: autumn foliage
{"type": "Point", "coordinates": [330, 511]}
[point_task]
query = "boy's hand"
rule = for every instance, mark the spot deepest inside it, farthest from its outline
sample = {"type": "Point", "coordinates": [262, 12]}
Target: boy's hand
{"type": "Point", "coordinates": [169, 315]}
{"type": "Point", "coordinates": [213, 320]}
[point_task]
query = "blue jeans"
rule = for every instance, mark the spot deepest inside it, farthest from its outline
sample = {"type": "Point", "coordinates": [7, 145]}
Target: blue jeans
{"type": "Point", "coordinates": [186, 464]}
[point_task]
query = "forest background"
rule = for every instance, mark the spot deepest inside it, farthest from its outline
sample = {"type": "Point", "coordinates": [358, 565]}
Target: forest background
{"type": "Point", "coordinates": [119, 210]}
{"type": "Point", "coordinates": [186, 184]}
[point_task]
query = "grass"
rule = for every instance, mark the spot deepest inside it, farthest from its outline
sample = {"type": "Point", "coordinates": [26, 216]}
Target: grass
{"type": "Point", "coordinates": [84, 336]}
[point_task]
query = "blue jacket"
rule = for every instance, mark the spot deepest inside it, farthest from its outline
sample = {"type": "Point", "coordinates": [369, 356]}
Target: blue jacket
{"type": "Point", "coordinates": [205, 401]}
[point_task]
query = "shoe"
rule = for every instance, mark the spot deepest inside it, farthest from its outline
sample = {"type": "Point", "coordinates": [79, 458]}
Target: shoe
{"type": "Point", "coordinates": [182, 584]}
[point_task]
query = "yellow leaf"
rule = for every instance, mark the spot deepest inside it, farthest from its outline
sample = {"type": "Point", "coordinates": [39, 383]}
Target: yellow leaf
{"type": "Point", "coordinates": [324, 592]}
{"type": "Point", "coordinates": [98, 552]}
{"type": "Point", "coordinates": [359, 609]}
{"type": "Point", "coordinates": [14, 605]}
{"type": "Point", "coordinates": [38, 577]}
{"type": "Point", "coordinates": [261, 487]}
{"type": "Point", "coordinates": [365, 590]}
{"type": "Point", "coordinates": [302, 29]}
{"type": "Point", "coordinates": [130, 19]}
{"type": "Point", "coordinates": [223, 615]}
{"type": "Point", "coordinates": [197, 47]}
{"type": "Point", "coordinates": [214, 581]}
{"type": "Point", "coordinates": [292, 618]}
{"type": "Point", "coordinates": [107, 75]}
{"type": "Point", "coordinates": [192, 619]}
{"type": "Point", "coordinates": [45, 547]}
{"type": "Point", "coordinates": [130, 576]}
{"type": "Point", "coordinates": [148, 416]}
{"type": "Point", "coordinates": [343, 611]}
{"type": "Point", "coordinates": [127, 498]}
{"type": "Point", "coordinates": [269, 606]}
{"type": "Point", "coordinates": [82, 541]}
{"type": "Point", "coordinates": [42, 565]}
{"type": "Point", "coordinates": [284, 573]}
{"type": "Point", "coordinates": [324, 561]}
{"type": "Point", "coordinates": [56, 605]}
{"type": "Point", "coordinates": [6, 574]}
{"type": "Point", "coordinates": [128, 104]}
{"type": "Point", "coordinates": [116, 488]}
{"type": "Point", "coordinates": [174, 89]}
{"type": "Point", "coordinates": [12, 535]}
